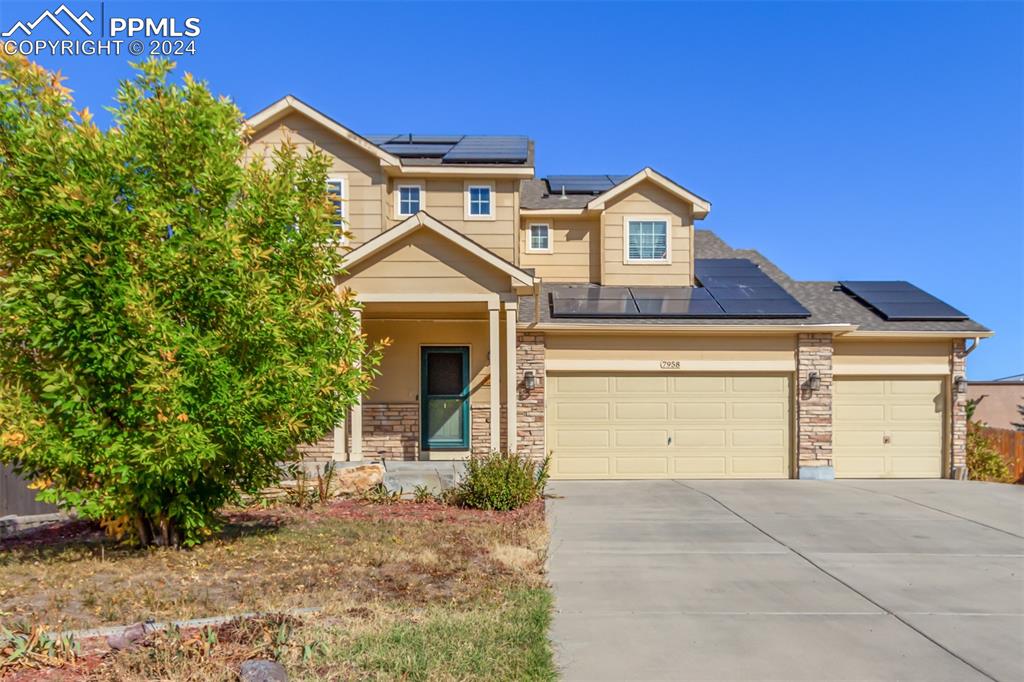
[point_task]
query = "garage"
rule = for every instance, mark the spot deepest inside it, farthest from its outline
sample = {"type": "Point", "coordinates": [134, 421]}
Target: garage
{"type": "Point", "coordinates": [642, 425]}
{"type": "Point", "coordinates": [885, 427]}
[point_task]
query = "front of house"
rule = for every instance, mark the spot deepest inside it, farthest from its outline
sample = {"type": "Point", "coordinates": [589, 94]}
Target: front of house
{"type": "Point", "coordinates": [588, 318]}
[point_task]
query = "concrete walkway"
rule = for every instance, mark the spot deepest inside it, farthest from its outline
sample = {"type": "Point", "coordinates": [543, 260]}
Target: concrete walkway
{"type": "Point", "coordinates": [788, 580]}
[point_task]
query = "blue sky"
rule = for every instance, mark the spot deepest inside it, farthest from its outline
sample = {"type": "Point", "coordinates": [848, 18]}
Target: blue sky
{"type": "Point", "coordinates": [860, 141]}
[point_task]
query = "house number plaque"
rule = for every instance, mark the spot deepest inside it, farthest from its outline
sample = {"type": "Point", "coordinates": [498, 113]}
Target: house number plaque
{"type": "Point", "coordinates": [670, 364]}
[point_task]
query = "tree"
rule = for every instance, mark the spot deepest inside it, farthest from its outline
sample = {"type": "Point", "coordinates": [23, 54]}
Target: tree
{"type": "Point", "coordinates": [169, 326]}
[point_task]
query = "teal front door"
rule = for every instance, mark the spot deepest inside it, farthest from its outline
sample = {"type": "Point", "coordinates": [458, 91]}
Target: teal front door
{"type": "Point", "coordinates": [444, 397]}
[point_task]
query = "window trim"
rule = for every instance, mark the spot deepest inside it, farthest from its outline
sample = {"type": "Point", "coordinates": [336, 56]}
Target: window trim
{"type": "Point", "coordinates": [466, 200]}
{"type": "Point", "coordinates": [626, 220]}
{"type": "Point", "coordinates": [343, 213]}
{"type": "Point", "coordinates": [398, 198]}
{"type": "Point", "coordinates": [529, 238]}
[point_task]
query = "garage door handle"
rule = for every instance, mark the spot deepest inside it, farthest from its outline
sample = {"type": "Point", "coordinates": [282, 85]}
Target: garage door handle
{"type": "Point", "coordinates": [670, 440]}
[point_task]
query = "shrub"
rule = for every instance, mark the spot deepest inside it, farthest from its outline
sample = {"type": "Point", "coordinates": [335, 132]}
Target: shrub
{"type": "Point", "coordinates": [984, 462]}
{"type": "Point", "coordinates": [501, 481]}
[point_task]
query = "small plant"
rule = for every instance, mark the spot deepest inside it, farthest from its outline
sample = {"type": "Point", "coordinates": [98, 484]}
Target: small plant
{"type": "Point", "coordinates": [501, 481]}
{"type": "Point", "coordinates": [421, 495]}
{"type": "Point", "coordinates": [984, 462]}
{"type": "Point", "coordinates": [30, 647]}
{"type": "Point", "coordinates": [379, 494]}
{"type": "Point", "coordinates": [324, 479]}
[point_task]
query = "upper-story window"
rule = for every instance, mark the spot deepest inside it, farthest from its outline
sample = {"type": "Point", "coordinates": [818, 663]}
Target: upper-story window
{"type": "Point", "coordinates": [539, 238]}
{"type": "Point", "coordinates": [647, 240]}
{"type": "Point", "coordinates": [480, 201]}
{"type": "Point", "coordinates": [410, 199]}
{"type": "Point", "coordinates": [336, 188]}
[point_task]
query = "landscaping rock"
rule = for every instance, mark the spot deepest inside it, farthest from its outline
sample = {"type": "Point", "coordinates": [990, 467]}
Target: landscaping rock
{"type": "Point", "coordinates": [263, 671]}
{"type": "Point", "coordinates": [128, 638]}
{"type": "Point", "coordinates": [356, 480]}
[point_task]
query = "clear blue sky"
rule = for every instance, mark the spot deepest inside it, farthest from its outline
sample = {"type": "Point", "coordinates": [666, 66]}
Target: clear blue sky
{"type": "Point", "coordinates": [861, 141]}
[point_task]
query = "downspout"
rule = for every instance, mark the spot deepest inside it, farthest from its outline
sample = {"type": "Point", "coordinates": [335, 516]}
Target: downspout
{"type": "Point", "coordinates": [536, 300]}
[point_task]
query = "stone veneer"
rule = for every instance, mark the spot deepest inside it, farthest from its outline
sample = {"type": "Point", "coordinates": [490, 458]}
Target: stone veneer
{"type": "Point", "coordinates": [530, 355]}
{"type": "Point", "coordinates": [391, 431]}
{"type": "Point", "coordinates": [814, 408]}
{"type": "Point", "coordinates": [480, 426]}
{"type": "Point", "coordinates": [958, 433]}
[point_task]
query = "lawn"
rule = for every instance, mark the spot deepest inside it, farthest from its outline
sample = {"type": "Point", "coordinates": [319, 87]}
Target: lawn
{"type": "Point", "coordinates": [404, 591]}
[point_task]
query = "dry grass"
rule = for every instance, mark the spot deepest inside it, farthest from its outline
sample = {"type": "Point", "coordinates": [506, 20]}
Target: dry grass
{"type": "Point", "coordinates": [400, 586]}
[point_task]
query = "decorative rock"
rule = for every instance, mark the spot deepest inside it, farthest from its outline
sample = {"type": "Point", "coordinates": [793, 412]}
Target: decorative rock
{"type": "Point", "coordinates": [355, 480]}
{"type": "Point", "coordinates": [262, 671]}
{"type": "Point", "coordinates": [128, 638]}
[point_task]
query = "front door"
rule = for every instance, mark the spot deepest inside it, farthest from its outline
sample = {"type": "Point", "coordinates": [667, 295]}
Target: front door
{"type": "Point", "coordinates": [444, 397]}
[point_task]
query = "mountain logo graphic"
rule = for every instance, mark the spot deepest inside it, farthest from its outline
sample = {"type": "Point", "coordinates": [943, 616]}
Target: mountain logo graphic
{"type": "Point", "coordinates": [78, 20]}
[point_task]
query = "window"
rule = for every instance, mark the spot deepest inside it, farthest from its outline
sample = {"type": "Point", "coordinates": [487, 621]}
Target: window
{"type": "Point", "coordinates": [336, 194]}
{"type": "Point", "coordinates": [410, 199]}
{"type": "Point", "coordinates": [479, 201]}
{"type": "Point", "coordinates": [539, 238]}
{"type": "Point", "coordinates": [647, 241]}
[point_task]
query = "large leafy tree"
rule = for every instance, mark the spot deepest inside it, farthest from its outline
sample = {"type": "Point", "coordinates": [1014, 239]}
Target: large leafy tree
{"type": "Point", "coordinates": [169, 325]}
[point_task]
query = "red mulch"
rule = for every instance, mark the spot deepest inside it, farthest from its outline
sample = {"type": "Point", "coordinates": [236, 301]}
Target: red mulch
{"type": "Point", "coordinates": [62, 532]}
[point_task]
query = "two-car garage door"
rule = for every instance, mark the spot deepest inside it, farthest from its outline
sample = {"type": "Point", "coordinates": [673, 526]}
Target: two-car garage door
{"type": "Point", "coordinates": [668, 426]}
{"type": "Point", "coordinates": [620, 425]}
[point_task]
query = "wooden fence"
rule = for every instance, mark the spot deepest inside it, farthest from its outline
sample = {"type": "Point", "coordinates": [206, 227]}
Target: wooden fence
{"type": "Point", "coordinates": [16, 498]}
{"type": "Point", "coordinates": [1010, 445]}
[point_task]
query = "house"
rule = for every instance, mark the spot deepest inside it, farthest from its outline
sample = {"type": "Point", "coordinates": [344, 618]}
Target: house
{"type": "Point", "coordinates": [998, 402]}
{"type": "Point", "coordinates": [589, 317]}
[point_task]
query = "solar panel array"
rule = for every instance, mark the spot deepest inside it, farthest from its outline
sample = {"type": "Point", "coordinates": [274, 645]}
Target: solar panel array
{"type": "Point", "coordinates": [901, 301]}
{"type": "Point", "coordinates": [457, 149]}
{"type": "Point", "coordinates": [731, 288]}
{"type": "Point", "coordinates": [582, 184]}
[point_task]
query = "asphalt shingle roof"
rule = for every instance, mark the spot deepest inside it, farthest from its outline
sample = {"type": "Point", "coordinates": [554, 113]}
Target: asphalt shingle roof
{"type": "Point", "coordinates": [827, 304]}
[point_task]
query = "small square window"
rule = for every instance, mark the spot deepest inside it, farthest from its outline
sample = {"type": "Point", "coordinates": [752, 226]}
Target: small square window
{"type": "Point", "coordinates": [647, 240]}
{"type": "Point", "coordinates": [480, 201]}
{"type": "Point", "coordinates": [409, 199]}
{"type": "Point", "coordinates": [540, 237]}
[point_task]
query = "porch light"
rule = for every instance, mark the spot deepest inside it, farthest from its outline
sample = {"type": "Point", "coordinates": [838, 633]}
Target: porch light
{"type": "Point", "coordinates": [529, 380]}
{"type": "Point", "coordinates": [813, 381]}
{"type": "Point", "coordinates": [960, 385]}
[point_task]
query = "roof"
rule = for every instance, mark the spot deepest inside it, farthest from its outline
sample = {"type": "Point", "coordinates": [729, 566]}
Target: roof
{"type": "Point", "coordinates": [827, 304]}
{"type": "Point", "coordinates": [1015, 379]}
{"type": "Point", "coordinates": [448, 150]}
{"type": "Point", "coordinates": [544, 194]}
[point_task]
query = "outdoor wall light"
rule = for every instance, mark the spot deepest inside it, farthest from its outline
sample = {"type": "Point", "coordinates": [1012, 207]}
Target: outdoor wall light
{"type": "Point", "coordinates": [529, 380]}
{"type": "Point", "coordinates": [813, 381]}
{"type": "Point", "coordinates": [960, 385]}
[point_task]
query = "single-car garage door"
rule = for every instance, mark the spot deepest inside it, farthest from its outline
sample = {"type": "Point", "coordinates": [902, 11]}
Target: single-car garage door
{"type": "Point", "coordinates": [668, 426]}
{"type": "Point", "coordinates": [888, 427]}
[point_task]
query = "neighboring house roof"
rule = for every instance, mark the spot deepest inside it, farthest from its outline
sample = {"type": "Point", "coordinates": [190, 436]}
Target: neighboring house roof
{"type": "Point", "coordinates": [1015, 379]}
{"type": "Point", "coordinates": [424, 220]}
{"type": "Point", "coordinates": [827, 304]}
{"type": "Point", "coordinates": [541, 195]}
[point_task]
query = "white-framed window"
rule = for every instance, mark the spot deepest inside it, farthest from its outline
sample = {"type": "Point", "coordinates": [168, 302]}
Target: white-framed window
{"type": "Point", "coordinates": [337, 193]}
{"type": "Point", "coordinates": [408, 200]}
{"type": "Point", "coordinates": [538, 238]}
{"type": "Point", "coordinates": [479, 201]}
{"type": "Point", "coordinates": [648, 239]}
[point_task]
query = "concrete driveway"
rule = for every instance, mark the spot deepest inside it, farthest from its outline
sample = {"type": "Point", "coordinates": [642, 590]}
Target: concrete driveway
{"type": "Point", "coordinates": [788, 580]}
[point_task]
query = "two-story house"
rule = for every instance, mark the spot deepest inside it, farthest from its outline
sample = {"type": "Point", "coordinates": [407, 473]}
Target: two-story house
{"type": "Point", "coordinates": [586, 317]}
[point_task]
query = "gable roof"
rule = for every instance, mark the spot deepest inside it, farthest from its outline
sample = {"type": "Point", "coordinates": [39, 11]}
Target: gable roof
{"type": "Point", "coordinates": [701, 206]}
{"type": "Point", "coordinates": [289, 103]}
{"type": "Point", "coordinates": [424, 220]}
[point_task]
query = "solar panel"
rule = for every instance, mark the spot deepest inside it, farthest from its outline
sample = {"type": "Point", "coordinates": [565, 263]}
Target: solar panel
{"type": "Point", "coordinates": [900, 300]}
{"type": "Point", "coordinates": [744, 290]}
{"type": "Point", "coordinates": [582, 184]}
{"type": "Point", "coordinates": [491, 148]}
{"type": "Point", "coordinates": [675, 302]}
{"type": "Point", "coordinates": [417, 150]}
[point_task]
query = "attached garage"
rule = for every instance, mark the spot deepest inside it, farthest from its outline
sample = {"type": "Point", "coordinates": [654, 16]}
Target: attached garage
{"type": "Point", "coordinates": [668, 425]}
{"type": "Point", "coordinates": [886, 427]}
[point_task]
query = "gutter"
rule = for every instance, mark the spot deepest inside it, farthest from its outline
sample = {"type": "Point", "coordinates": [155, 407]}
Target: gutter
{"type": "Point", "coordinates": [700, 328]}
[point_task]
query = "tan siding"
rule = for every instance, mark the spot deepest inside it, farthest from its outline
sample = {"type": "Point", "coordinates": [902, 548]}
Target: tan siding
{"type": "Point", "coordinates": [445, 200]}
{"type": "Point", "coordinates": [574, 257]}
{"type": "Point", "coordinates": [424, 262]}
{"type": "Point", "coordinates": [870, 356]}
{"type": "Point", "coordinates": [648, 200]}
{"type": "Point", "coordinates": [693, 353]}
{"type": "Point", "coordinates": [360, 169]}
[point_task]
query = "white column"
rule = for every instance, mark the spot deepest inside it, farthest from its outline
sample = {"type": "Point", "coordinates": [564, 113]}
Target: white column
{"type": "Point", "coordinates": [356, 418]}
{"type": "Point", "coordinates": [340, 453]}
{"type": "Point", "coordinates": [512, 427]}
{"type": "Point", "coordinates": [493, 335]}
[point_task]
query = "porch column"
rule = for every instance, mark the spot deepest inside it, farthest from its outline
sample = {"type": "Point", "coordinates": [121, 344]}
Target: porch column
{"type": "Point", "coordinates": [494, 360]}
{"type": "Point", "coordinates": [340, 453]}
{"type": "Point", "coordinates": [356, 418]}
{"type": "Point", "coordinates": [511, 408]}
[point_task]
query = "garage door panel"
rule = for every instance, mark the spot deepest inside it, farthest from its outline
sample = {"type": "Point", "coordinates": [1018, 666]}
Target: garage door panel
{"type": "Point", "coordinates": [720, 426]}
{"type": "Point", "coordinates": [583, 384]}
{"type": "Point", "coordinates": [888, 427]}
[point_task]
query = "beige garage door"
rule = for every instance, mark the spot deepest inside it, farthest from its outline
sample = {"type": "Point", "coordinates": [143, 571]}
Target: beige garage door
{"type": "Point", "coordinates": [668, 426]}
{"type": "Point", "coordinates": [888, 428]}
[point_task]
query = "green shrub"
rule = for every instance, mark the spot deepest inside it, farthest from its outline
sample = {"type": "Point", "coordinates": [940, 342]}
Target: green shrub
{"type": "Point", "coordinates": [984, 462]}
{"type": "Point", "coordinates": [501, 481]}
